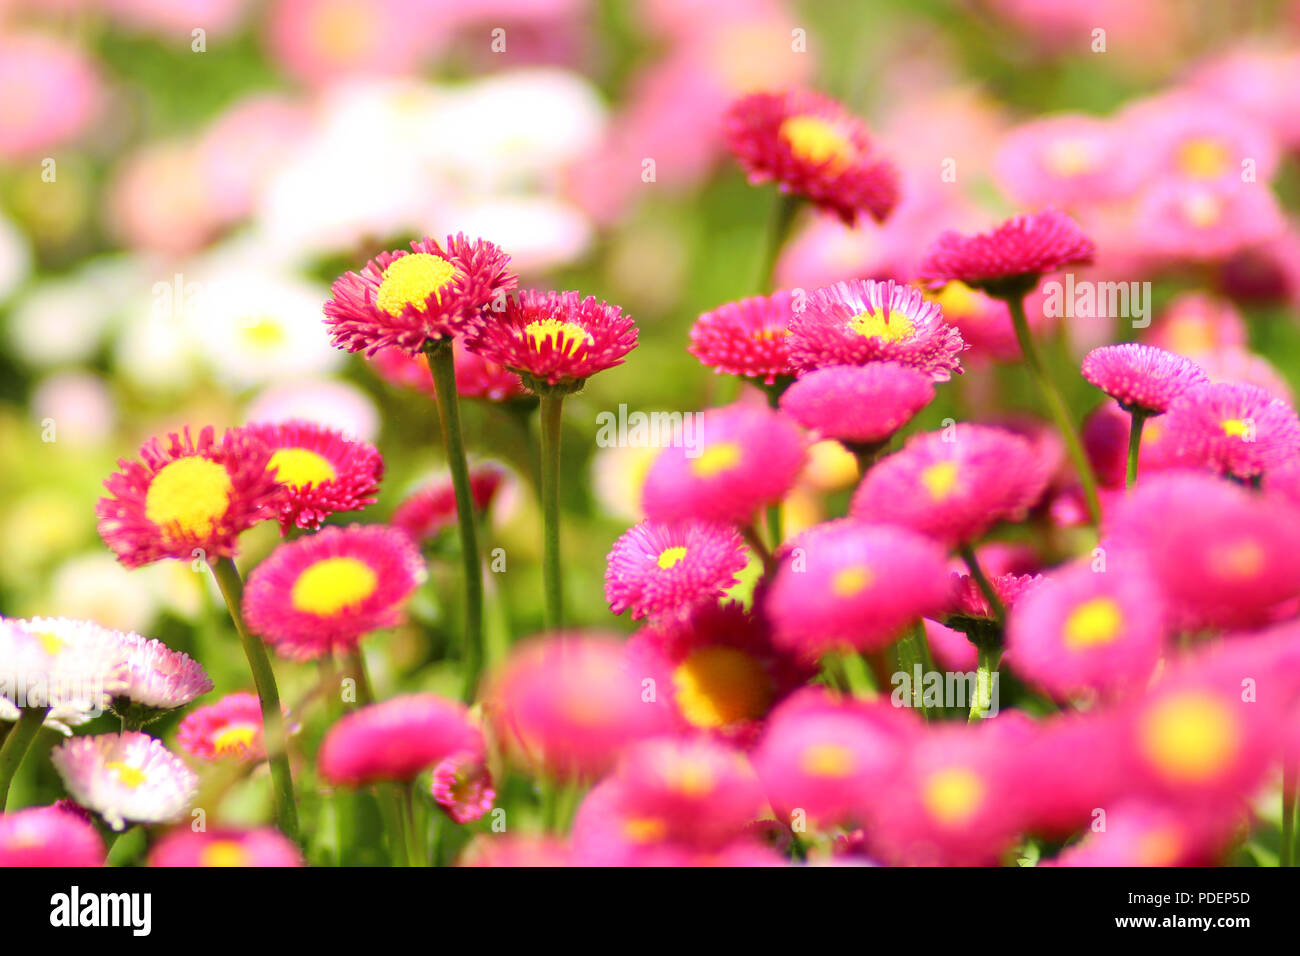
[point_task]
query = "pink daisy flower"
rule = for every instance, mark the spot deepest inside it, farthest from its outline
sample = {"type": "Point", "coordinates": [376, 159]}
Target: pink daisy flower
{"type": "Point", "coordinates": [719, 670]}
{"type": "Point", "coordinates": [1141, 378]}
{"type": "Point", "coordinates": [1065, 160]}
{"type": "Point", "coordinates": [553, 339]}
{"type": "Point", "coordinates": [858, 404]}
{"type": "Point", "coordinates": [229, 729]}
{"type": "Point", "coordinates": [510, 850]}
{"type": "Point", "coordinates": [1010, 258]}
{"type": "Point", "coordinates": [1082, 630]}
{"type": "Point", "coordinates": [953, 486]}
{"type": "Point", "coordinates": [661, 569]}
{"type": "Point", "coordinates": [567, 705]}
{"type": "Point", "coordinates": [1238, 430]}
{"type": "Point", "coordinates": [396, 739]}
{"type": "Point", "coordinates": [1221, 555]}
{"type": "Point", "coordinates": [404, 299]}
{"type": "Point", "coordinates": [847, 585]}
{"type": "Point", "coordinates": [1076, 768]}
{"type": "Point", "coordinates": [261, 847]}
{"type": "Point", "coordinates": [745, 456]}
{"type": "Point", "coordinates": [426, 512]}
{"type": "Point", "coordinates": [748, 338]}
{"type": "Point", "coordinates": [159, 679]}
{"type": "Point", "coordinates": [822, 756]}
{"type": "Point", "coordinates": [49, 836]}
{"type": "Point", "coordinates": [323, 593]}
{"type": "Point", "coordinates": [1145, 833]}
{"type": "Point", "coordinates": [1205, 221]}
{"type": "Point", "coordinates": [1197, 139]}
{"type": "Point", "coordinates": [476, 377]}
{"type": "Point", "coordinates": [811, 147]}
{"type": "Point", "coordinates": [952, 803]}
{"type": "Point", "coordinates": [462, 786]}
{"type": "Point", "coordinates": [1194, 324]}
{"type": "Point", "coordinates": [856, 322]}
{"type": "Point", "coordinates": [966, 600]}
{"type": "Point", "coordinates": [186, 498]}
{"type": "Point", "coordinates": [37, 69]}
{"type": "Point", "coordinates": [320, 472]}
{"type": "Point", "coordinates": [125, 777]}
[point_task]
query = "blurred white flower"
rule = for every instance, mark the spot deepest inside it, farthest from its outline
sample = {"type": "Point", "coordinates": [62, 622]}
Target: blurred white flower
{"type": "Point", "coordinates": [94, 587]}
{"type": "Point", "coordinates": [79, 405]}
{"type": "Point", "coordinates": [328, 402]}
{"type": "Point", "coordinates": [539, 232]}
{"type": "Point", "coordinates": [63, 321]}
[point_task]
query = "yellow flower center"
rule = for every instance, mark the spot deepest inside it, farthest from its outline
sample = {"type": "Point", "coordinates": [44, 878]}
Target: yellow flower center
{"type": "Point", "coordinates": [1235, 427]}
{"type": "Point", "coordinates": [234, 739]}
{"type": "Point", "coordinates": [956, 299]}
{"type": "Point", "coordinates": [51, 643]}
{"type": "Point", "coordinates": [644, 829]}
{"type": "Point", "coordinates": [894, 327]}
{"type": "Point", "coordinates": [692, 778]}
{"type": "Point", "coordinates": [669, 557]}
{"type": "Point", "coordinates": [850, 581]}
{"type": "Point", "coordinates": [717, 686]}
{"type": "Point", "coordinates": [827, 760]}
{"type": "Point", "coordinates": [264, 333]}
{"type": "Point", "coordinates": [1189, 736]}
{"type": "Point", "coordinates": [342, 30]}
{"type": "Point", "coordinates": [716, 459]}
{"type": "Point", "coordinates": [1203, 158]}
{"type": "Point", "coordinates": [818, 142]}
{"type": "Point", "coordinates": [1202, 209]}
{"type": "Point", "coordinates": [940, 479]}
{"type": "Point", "coordinates": [571, 339]}
{"type": "Point", "coordinates": [332, 584]}
{"type": "Point", "coordinates": [1093, 622]}
{"type": "Point", "coordinates": [953, 796]}
{"type": "Point", "coordinates": [223, 853]}
{"type": "Point", "coordinates": [299, 467]}
{"type": "Point", "coordinates": [1160, 847]}
{"type": "Point", "coordinates": [1192, 336]}
{"type": "Point", "coordinates": [188, 495]}
{"type": "Point", "coordinates": [413, 280]}
{"type": "Point", "coordinates": [1069, 157]}
{"type": "Point", "coordinates": [130, 777]}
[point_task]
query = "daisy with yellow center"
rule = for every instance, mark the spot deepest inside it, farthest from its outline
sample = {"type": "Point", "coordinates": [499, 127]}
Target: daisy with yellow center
{"type": "Point", "coordinates": [261, 847]}
{"type": "Point", "coordinates": [1189, 736]}
{"type": "Point", "coordinates": [128, 777]}
{"type": "Point", "coordinates": [718, 686]}
{"type": "Point", "coordinates": [324, 593]}
{"type": "Point", "coordinates": [230, 729]}
{"type": "Point", "coordinates": [414, 282]}
{"type": "Point", "coordinates": [953, 796]}
{"type": "Point", "coordinates": [666, 569]}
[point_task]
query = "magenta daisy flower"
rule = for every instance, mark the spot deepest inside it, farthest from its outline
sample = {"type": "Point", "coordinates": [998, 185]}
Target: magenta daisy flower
{"type": "Point", "coordinates": [405, 299]}
{"type": "Point", "coordinates": [968, 603]}
{"type": "Point", "coordinates": [323, 593]}
{"type": "Point", "coordinates": [186, 498]}
{"type": "Point", "coordinates": [721, 668]}
{"type": "Point", "coordinates": [749, 338]}
{"type": "Point", "coordinates": [1142, 378]}
{"type": "Point", "coordinates": [462, 786]}
{"type": "Point", "coordinates": [261, 847]}
{"type": "Point", "coordinates": [811, 147]}
{"type": "Point", "coordinates": [1010, 258]}
{"type": "Point", "coordinates": [1150, 833]}
{"type": "Point", "coordinates": [554, 339]}
{"type": "Point", "coordinates": [861, 321]}
{"type": "Point", "coordinates": [660, 569]}
{"type": "Point", "coordinates": [858, 404]}
{"type": "Point", "coordinates": [396, 739]}
{"type": "Point", "coordinates": [1082, 630]}
{"type": "Point", "coordinates": [744, 457]}
{"type": "Point", "coordinates": [847, 585]}
{"type": "Point", "coordinates": [229, 729]}
{"type": "Point", "coordinates": [983, 321]}
{"type": "Point", "coordinates": [1238, 430]}
{"type": "Point", "coordinates": [125, 777]}
{"type": "Point", "coordinates": [321, 471]}
{"type": "Point", "coordinates": [953, 486]}
{"type": "Point", "coordinates": [428, 511]}
{"type": "Point", "coordinates": [49, 836]}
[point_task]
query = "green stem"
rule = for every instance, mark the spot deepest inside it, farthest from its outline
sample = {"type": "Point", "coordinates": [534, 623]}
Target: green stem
{"type": "Point", "coordinates": [861, 683]}
{"type": "Point", "coordinates": [1056, 405]}
{"type": "Point", "coordinates": [391, 809]}
{"type": "Point", "coordinates": [1289, 809]}
{"type": "Point", "coordinates": [357, 660]}
{"type": "Point", "coordinates": [778, 230]}
{"type": "Point", "coordinates": [443, 368]}
{"type": "Point", "coordinates": [552, 405]}
{"type": "Point", "coordinates": [989, 658]}
{"type": "Point", "coordinates": [277, 753]}
{"type": "Point", "coordinates": [417, 848]}
{"type": "Point", "coordinates": [16, 745]}
{"type": "Point", "coordinates": [1136, 420]}
{"type": "Point", "coordinates": [982, 581]}
{"type": "Point", "coordinates": [913, 650]}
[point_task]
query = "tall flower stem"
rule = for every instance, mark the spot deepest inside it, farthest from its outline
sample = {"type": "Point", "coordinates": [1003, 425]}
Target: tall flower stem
{"type": "Point", "coordinates": [914, 649]}
{"type": "Point", "coordinates": [983, 583]}
{"type": "Point", "coordinates": [16, 746]}
{"type": "Point", "coordinates": [417, 847]}
{"type": "Point", "coordinates": [858, 673]}
{"type": "Point", "coordinates": [1136, 420]}
{"type": "Point", "coordinates": [778, 230]}
{"type": "Point", "coordinates": [1056, 405]}
{"type": "Point", "coordinates": [552, 405]}
{"type": "Point", "coordinates": [277, 753]}
{"type": "Point", "coordinates": [1289, 807]}
{"type": "Point", "coordinates": [443, 368]}
{"type": "Point", "coordinates": [988, 659]}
